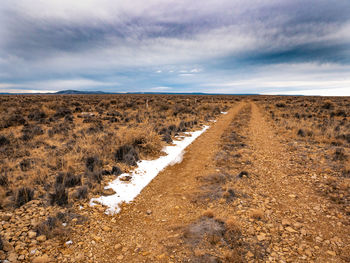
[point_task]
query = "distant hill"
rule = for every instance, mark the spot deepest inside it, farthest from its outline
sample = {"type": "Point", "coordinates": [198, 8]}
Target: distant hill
{"type": "Point", "coordinates": [71, 92]}
{"type": "Point", "coordinates": [82, 92]}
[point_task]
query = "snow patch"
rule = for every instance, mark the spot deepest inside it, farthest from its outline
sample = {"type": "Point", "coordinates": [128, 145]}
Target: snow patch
{"type": "Point", "coordinates": [144, 174]}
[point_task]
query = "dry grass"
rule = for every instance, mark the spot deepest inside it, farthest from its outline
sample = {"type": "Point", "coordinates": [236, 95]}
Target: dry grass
{"type": "Point", "coordinates": [321, 126]}
{"type": "Point", "coordinates": [42, 137]}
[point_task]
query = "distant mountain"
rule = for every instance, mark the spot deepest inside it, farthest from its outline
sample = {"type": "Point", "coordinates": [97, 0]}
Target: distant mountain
{"type": "Point", "coordinates": [82, 92]}
{"type": "Point", "coordinates": [72, 92]}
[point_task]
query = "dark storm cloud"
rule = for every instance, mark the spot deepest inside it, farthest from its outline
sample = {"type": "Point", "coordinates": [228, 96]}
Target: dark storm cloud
{"type": "Point", "coordinates": [97, 41]}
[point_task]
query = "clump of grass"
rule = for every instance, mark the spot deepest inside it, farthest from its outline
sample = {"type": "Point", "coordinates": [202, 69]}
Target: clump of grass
{"type": "Point", "coordinates": [1, 244]}
{"type": "Point", "coordinates": [4, 181]}
{"type": "Point", "coordinates": [59, 196]}
{"type": "Point", "coordinates": [81, 193]}
{"type": "Point", "coordinates": [68, 179]}
{"type": "Point", "coordinates": [233, 226]}
{"type": "Point", "coordinates": [257, 214]}
{"type": "Point", "coordinates": [208, 213]}
{"type": "Point", "coordinates": [4, 141]}
{"type": "Point", "coordinates": [127, 154]}
{"type": "Point", "coordinates": [92, 162]}
{"type": "Point", "coordinates": [23, 195]}
{"type": "Point", "coordinates": [328, 105]}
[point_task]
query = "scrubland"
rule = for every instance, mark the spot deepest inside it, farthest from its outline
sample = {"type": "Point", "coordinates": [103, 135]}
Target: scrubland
{"type": "Point", "coordinates": [268, 182]}
{"type": "Point", "coordinates": [59, 150]}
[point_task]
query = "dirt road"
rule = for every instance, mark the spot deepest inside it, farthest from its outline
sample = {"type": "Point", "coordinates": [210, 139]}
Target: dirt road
{"type": "Point", "coordinates": [281, 218]}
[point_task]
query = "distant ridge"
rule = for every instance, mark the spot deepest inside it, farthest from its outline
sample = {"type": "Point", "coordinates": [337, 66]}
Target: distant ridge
{"type": "Point", "coordinates": [78, 92]}
{"type": "Point", "coordinates": [81, 92]}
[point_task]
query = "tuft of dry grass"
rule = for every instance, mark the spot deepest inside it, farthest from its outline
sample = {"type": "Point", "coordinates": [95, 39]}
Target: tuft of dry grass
{"type": "Point", "coordinates": [208, 213]}
{"type": "Point", "coordinates": [257, 214]}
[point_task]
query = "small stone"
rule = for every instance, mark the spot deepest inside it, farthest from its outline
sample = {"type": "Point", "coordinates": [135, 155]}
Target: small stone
{"type": "Point", "coordinates": [97, 238]}
{"type": "Point", "coordinates": [42, 259]}
{"type": "Point", "coordinates": [303, 232]}
{"type": "Point", "coordinates": [148, 212]}
{"type": "Point", "coordinates": [31, 234]}
{"type": "Point", "coordinates": [106, 229]}
{"type": "Point", "coordinates": [291, 230]}
{"type": "Point", "coordinates": [41, 238]}
{"type": "Point", "coordinates": [108, 191]}
{"type": "Point", "coordinates": [6, 217]}
{"type": "Point", "coordinates": [12, 257]}
{"type": "Point", "coordinates": [79, 258]}
{"type": "Point", "coordinates": [7, 247]}
{"type": "Point", "coordinates": [261, 237]}
{"type": "Point", "coordinates": [331, 253]}
{"type": "Point", "coordinates": [126, 178]}
{"type": "Point", "coordinates": [286, 222]}
{"type": "Point", "coordinates": [250, 254]}
{"type": "Point", "coordinates": [117, 246]}
{"type": "Point", "coordinates": [308, 252]}
{"type": "Point", "coordinates": [162, 256]}
{"type": "Point", "coordinates": [120, 257]}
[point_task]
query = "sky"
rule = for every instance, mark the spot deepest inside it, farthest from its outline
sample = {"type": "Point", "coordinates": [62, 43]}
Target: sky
{"type": "Point", "coordinates": [213, 46]}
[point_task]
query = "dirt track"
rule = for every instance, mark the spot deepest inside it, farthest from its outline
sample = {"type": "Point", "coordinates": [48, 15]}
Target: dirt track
{"type": "Point", "coordinates": [296, 223]}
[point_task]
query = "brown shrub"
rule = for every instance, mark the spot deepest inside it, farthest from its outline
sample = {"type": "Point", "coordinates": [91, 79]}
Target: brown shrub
{"type": "Point", "coordinates": [23, 195]}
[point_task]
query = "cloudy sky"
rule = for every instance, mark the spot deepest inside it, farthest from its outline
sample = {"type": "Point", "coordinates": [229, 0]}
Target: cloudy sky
{"type": "Point", "coordinates": [216, 46]}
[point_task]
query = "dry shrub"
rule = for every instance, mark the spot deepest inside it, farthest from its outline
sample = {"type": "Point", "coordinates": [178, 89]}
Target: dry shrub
{"type": "Point", "coordinates": [257, 214]}
{"type": "Point", "coordinates": [144, 139]}
{"type": "Point", "coordinates": [233, 226]}
{"type": "Point", "coordinates": [59, 196]}
{"type": "Point", "coordinates": [2, 198]}
{"type": "Point", "coordinates": [208, 213]}
{"type": "Point", "coordinates": [81, 193]}
{"type": "Point", "coordinates": [58, 226]}
{"type": "Point", "coordinates": [4, 140]}
{"type": "Point", "coordinates": [23, 195]}
{"type": "Point", "coordinates": [4, 179]}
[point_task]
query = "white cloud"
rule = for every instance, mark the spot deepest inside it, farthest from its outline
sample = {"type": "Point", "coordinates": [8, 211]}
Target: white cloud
{"type": "Point", "coordinates": [163, 88]}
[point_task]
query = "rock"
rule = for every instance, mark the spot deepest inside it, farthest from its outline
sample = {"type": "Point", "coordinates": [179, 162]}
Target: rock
{"type": "Point", "coordinates": [117, 246]}
{"type": "Point", "coordinates": [308, 253]}
{"type": "Point", "coordinates": [331, 253]}
{"type": "Point", "coordinates": [291, 230]}
{"type": "Point", "coordinates": [126, 178]}
{"type": "Point", "coordinates": [249, 254]}
{"type": "Point", "coordinates": [97, 238]}
{"type": "Point", "coordinates": [286, 222]}
{"type": "Point", "coordinates": [108, 191]}
{"type": "Point", "coordinates": [41, 238]}
{"type": "Point", "coordinates": [42, 259]}
{"type": "Point", "coordinates": [2, 255]}
{"type": "Point", "coordinates": [160, 257]}
{"type": "Point", "coordinates": [31, 234]}
{"type": "Point", "coordinates": [79, 258]}
{"type": "Point", "coordinates": [12, 257]}
{"type": "Point", "coordinates": [148, 212]}
{"type": "Point", "coordinates": [261, 237]}
{"type": "Point", "coordinates": [6, 217]}
{"type": "Point", "coordinates": [106, 229]}
{"type": "Point", "coordinates": [7, 247]}
{"type": "Point", "coordinates": [120, 257]}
